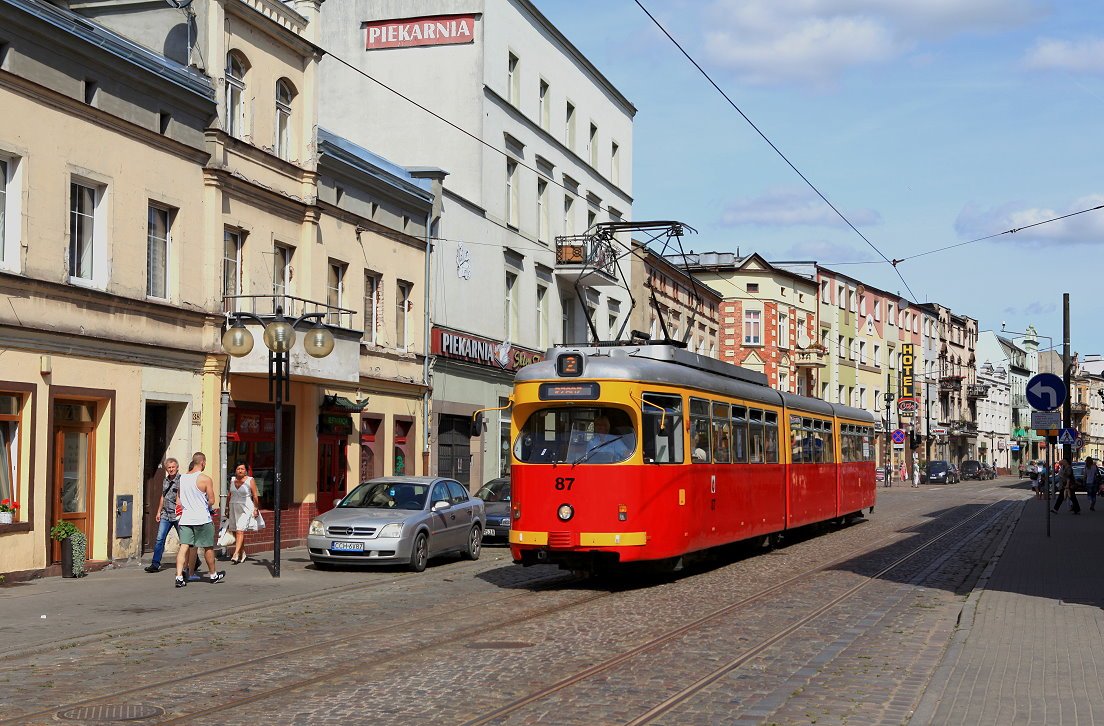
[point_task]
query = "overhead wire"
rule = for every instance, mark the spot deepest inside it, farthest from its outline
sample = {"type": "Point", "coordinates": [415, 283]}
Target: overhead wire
{"type": "Point", "coordinates": [778, 151]}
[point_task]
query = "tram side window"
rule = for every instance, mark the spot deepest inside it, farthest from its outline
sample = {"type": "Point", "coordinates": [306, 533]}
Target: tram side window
{"type": "Point", "coordinates": [797, 450]}
{"type": "Point", "coordinates": [722, 439]}
{"type": "Point", "coordinates": [847, 443]}
{"type": "Point", "coordinates": [699, 430]}
{"type": "Point", "coordinates": [756, 454]}
{"type": "Point", "coordinates": [739, 434]}
{"type": "Point", "coordinates": [662, 429]}
{"type": "Point", "coordinates": [829, 449]}
{"type": "Point", "coordinates": [770, 437]}
{"type": "Point", "coordinates": [868, 444]}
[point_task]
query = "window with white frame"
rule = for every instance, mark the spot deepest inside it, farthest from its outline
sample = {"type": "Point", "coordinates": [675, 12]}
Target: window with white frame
{"type": "Point", "coordinates": [510, 307]}
{"type": "Point", "coordinates": [4, 183]}
{"type": "Point", "coordinates": [853, 344]}
{"type": "Point", "coordinates": [281, 274]}
{"type": "Point", "coordinates": [862, 352]}
{"type": "Point", "coordinates": [542, 210]}
{"type": "Point", "coordinates": [878, 310]}
{"type": "Point", "coordinates": [752, 321]}
{"type": "Point", "coordinates": [862, 396]}
{"type": "Point", "coordinates": [402, 314]}
{"type": "Point", "coordinates": [840, 396]}
{"type": "Point", "coordinates": [371, 305]}
{"type": "Point", "coordinates": [10, 407]}
{"type": "Point", "coordinates": [158, 221]}
{"type": "Point", "coordinates": [569, 126]}
{"type": "Point", "coordinates": [512, 192]}
{"type": "Point", "coordinates": [825, 292]}
{"type": "Point", "coordinates": [231, 265]}
{"type": "Point", "coordinates": [615, 162]}
{"type": "Point", "coordinates": [592, 145]}
{"type": "Point", "coordinates": [891, 314]}
{"type": "Point", "coordinates": [842, 348]}
{"type": "Point", "coordinates": [84, 232]}
{"type": "Point", "coordinates": [283, 119]}
{"type": "Point", "coordinates": [592, 218]}
{"type": "Point", "coordinates": [876, 359]}
{"type": "Point", "coordinates": [545, 106]}
{"type": "Point", "coordinates": [542, 316]}
{"type": "Point", "coordinates": [569, 215]}
{"type": "Point", "coordinates": [783, 381]}
{"type": "Point", "coordinates": [335, 290]}
{"type": "Point", "coordinates": [783, 330]}
{"type": "Point", "coordinates": [862, 305]}
{"type": "Point", "coordinates": [235, 95]}
{"type": "Point", "coordinates": [513, 80]}
{"type": "Point", "coordinates": [841, 298]}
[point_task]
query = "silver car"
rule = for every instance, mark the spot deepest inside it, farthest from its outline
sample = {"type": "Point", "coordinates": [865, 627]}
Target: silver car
{"type": "Point", "coordinates": [398, 520]}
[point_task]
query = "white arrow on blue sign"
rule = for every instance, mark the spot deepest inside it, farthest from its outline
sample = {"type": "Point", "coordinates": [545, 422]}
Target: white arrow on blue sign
{"type": "Point", "coordinates": [1067, 436]}
{"type": "Point", "coordinates": [1045, 392]}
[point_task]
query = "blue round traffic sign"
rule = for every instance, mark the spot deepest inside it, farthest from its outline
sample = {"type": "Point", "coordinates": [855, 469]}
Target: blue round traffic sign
{"type": "Point", "coordinates": [1045, 392]}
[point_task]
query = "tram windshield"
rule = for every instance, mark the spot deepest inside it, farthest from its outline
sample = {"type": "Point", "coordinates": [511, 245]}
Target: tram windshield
{"type": "Point", "coordinates": [576, 435]}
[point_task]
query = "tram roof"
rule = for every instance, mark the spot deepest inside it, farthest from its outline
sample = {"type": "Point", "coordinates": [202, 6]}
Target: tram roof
{"type": "Point", "coordinates": [671, 365]}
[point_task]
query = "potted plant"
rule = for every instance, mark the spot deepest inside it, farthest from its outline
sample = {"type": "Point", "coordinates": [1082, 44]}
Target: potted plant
{"type": "Point", "coordinates": [73, 544]}
{"type": "Point", "coordinates": [8, 510]}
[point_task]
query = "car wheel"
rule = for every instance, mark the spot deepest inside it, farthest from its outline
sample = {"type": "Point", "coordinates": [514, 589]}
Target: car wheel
{"type": "Point", "coordinates": [419, 554]}
{"type": "Point", "coordinates": [475, 543]}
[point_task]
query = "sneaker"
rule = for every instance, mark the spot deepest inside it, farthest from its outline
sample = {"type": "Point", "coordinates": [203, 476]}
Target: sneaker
{"type": "Point", "coordinates": [153, 568]}
{"type": "Point", "coordinates": [218, 576]}
{"type": "Point", "coordinates": [181, 581]}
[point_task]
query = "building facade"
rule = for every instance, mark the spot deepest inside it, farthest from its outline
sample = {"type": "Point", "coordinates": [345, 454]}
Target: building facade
{"type": "Point", "coordinates": [959, 390]}
{"type": "Point", "coordinates": [537, 145]}
{"type": "Point", "coordinates": [994, 416]}
{"type": "Point", "coordinates": [685, 308]}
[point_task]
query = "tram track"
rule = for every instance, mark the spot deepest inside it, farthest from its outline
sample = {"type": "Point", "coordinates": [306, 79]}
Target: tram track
{"type": "Point", "coordinates": [603, 667]}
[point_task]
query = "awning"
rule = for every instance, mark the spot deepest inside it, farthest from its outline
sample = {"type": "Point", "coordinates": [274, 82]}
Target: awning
{"type": "Point", "coordinates": [342, 404]}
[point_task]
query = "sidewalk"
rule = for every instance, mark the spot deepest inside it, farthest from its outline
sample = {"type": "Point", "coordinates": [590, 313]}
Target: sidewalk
{"type": "Point", "coordinates": [125, 598]}
{"type": "Point", "coordinates": [1030, 643]}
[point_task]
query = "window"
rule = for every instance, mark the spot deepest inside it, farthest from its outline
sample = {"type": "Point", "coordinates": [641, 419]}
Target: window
{"type": "Point", "coordinates": [878, 310]}
{"type": "Point", "coordinates": [592, 217]}
{"type": "Point", "coordinates": [841, 297]}
{"type": "Point", "coordinates": [335, 290]}
{"type": "Point", "coordinates": [157, 251]}
{"type": "Point", "coordinates": [371, 306]}
{"type": "Point", "coordinates": [662, 432]}
{"type": "Point", "coordinates": [542, 210]}
{"type": "Point", "coordinates": [569, 215]}
{"type": "Point", "coordinates": [876, 360]}
{"type": "Point", "coordinates": [700, 426]}
{"type": "Point", "coordinates": [783, 331]}
{"type": "Point", "coordinates": [825, 292]}
{"type": "Point", "coordinates": [891, 314]}
{"type": "Point", "coordinates": [545, 106]}
{"type": "Point", "coordinates": [842, 348]}
{"type": "Point", "coordinates": [615, 163]}
{"type": "Point", "coordinates": [739, 435]}
{"type": "Point", "coordinates": [10, 405]}
{"type": "Point", "coordinates": [513, 81]}
{"type": "Point", "coordinates": [862, 352]}
{"type": "Point", "coordinates": [231, 265]}
{"type": "Point", "coordinates": [4, 184]}
{"type": "Point", "coordinates": [235, 96]}
{"type": "Point", "coordinates": [283, 119]}
{"type": "Point", "coordinates": [592, 146]}
{"type": "Point", "coordinates": [511, 193]}
{"type": "Point", "coordinates": [751, 327]}
{"type": "Point", "coordinates": [770, 437]}
{"type": "Point", "coordinates": [862, 306]}
{"type": "Point", "coordinates": [569, 127]}
{"type": "Point", "coordinates": [281, 274]}
{"type": "Point", "coordinates": [542, 316]}
{"type": "Point", "coordinates": [510, 307]}
{"type": "Point", "coordinates": [722, 441]}
{"type": "Point", "coordinates": [753, 287]}
{"type": "Point", "coordinates": [402, 308]}
{"type": "Point", "coordinates": [82, 231]}
{"type": "Point", "coordinates": [91, 91]}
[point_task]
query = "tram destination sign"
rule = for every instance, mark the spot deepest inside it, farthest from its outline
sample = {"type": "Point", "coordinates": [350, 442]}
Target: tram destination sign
{"type": "Point", "coordinates": [588, 391]}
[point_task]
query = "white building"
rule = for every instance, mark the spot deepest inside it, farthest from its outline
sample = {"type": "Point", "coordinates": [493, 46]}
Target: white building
{"type": "Point", "coordinates": [543, 148]}
{"type": "Point", "coordinates": [994, 415]}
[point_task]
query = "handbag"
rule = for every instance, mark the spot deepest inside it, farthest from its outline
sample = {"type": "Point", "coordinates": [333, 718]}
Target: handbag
{"type": "Point", "coordinates": [257, 522]}
{"type": "Point", "coordinates": [226, 537]}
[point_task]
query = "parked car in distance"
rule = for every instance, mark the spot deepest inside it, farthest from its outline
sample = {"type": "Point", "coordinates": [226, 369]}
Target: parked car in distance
{"type": "Point", "coordinates": [971, 469]}
{"type": "Point", "coordinates": [938, 472]}
{"type": "Point", "coordinates": [398, 520]}
{"type": "Point", "coordinates": [496, 500]}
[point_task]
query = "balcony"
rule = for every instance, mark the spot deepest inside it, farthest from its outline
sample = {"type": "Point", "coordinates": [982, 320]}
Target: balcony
{"type": "Point", "coordinates": [1079, 408]}
{"type": "Point", "coordinates": [950, 384]}
{"type": "Point", "coordinates": [977, 390]}
{"type": "Point", "coordinates": [1019, 400]}
{"type": "Point", "coordinates": [582, 256]}
{"type": "Point", "coordinates": [811, 358]}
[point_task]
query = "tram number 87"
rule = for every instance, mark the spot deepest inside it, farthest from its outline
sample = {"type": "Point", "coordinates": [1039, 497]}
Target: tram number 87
{"type": "Point", "coordinates": [564, 483]}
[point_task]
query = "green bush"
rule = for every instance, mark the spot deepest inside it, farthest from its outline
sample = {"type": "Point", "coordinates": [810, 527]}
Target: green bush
{"type": "Point", "coordinates": [63, 530]}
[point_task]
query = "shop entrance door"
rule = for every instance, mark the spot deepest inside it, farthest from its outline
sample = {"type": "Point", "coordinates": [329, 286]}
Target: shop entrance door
{"type": "Point", "coordinates": [454, 449]}
{"type": "Point", "coordinates": [156, 441]}
{"type": "Point", "coordinates": [74, 464]}
{"type": "Point", "coordinates": [332, 470]}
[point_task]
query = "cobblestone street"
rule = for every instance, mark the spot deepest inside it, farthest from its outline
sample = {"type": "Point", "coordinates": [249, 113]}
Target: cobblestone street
{"type": "Point", "coordinates": [839, 626]}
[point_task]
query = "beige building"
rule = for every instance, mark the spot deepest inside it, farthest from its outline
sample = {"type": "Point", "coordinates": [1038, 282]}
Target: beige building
{"type": "Point", "coordinates": [687, 307]}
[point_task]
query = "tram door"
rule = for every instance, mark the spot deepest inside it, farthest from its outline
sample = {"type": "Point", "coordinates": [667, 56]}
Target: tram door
{"type": "Point", "coordinates": [454, 448]}
{"type": "Point", "coordinates": [332, 470]}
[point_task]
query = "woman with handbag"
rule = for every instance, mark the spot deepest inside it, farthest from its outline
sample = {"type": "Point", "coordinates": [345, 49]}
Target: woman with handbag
{"type": "Point", "coordinates": [244, 509]}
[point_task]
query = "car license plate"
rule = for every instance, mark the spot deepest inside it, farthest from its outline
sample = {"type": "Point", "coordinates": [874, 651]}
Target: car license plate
{"type": "Point", "coordinates": [347, 546]}
{"type": "Point", "coordinates": [488, 533]}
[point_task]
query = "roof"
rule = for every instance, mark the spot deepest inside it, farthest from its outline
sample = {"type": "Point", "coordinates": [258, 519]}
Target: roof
{"type": "Point", "coordinates": [364, 162]}
{"type": "Point", "coordinates": [340, 403]}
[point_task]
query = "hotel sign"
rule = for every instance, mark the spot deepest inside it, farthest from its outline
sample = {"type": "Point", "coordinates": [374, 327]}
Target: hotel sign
{"type": "Point", "coordinates": [410, 32]}
{"type": "Point", "coordinates": [483, 351]}
{"type": "Point", "coordinates": [908, 387]}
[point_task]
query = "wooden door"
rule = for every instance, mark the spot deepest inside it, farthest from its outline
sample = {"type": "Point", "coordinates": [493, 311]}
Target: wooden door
{"type": "Point", "coordinates": [73, 486]}
{"type": "Point", "coordinates": [332, 470]}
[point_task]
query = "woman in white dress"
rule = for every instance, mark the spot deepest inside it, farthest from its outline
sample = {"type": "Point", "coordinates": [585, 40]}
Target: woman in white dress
{"type": "Point", "coordinates": [244, 505]}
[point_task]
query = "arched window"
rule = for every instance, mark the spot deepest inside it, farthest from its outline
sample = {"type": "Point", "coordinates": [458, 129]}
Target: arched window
{"type": "Point", "coordinates": [284, 95]}
{"type": "Point", "coordinates": [235, 95]}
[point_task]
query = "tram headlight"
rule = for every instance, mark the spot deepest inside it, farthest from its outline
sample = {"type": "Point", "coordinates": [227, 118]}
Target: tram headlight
{"type": "Point", "coordinates": [565, 512]}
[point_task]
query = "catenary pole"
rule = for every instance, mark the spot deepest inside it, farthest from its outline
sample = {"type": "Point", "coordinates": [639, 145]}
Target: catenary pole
{"type": "Point", "coordinates": [1067, 449]}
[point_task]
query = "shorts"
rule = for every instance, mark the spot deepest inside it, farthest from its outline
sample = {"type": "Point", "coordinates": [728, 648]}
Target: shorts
{"type": "Point", "coordinates": [198, 535]}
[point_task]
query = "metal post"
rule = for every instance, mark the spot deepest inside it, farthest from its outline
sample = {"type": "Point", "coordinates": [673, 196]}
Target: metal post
{"type": "Point", "coordinates": [1067, 450]}
{"type": "Point", "coordinates": [1047, 474]}
{"type": "Point", "coordinates": [278, 366]}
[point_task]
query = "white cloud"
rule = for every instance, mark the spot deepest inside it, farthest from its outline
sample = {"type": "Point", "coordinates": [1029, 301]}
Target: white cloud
{"type": "Point", "coordinates": [1084, 56]}
{"type": "Point", "coordinates": [1083, 229]}
{"type": "Point", "coordinates": [826, 252]}
{"type": "Point", "coordinates": [815, 41]}
{"type": "Point", "coordinates": [784, 207]}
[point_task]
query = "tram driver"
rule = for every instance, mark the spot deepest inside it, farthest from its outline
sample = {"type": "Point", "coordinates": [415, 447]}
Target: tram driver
{"type": "Point", "coordinates": [606, 445]}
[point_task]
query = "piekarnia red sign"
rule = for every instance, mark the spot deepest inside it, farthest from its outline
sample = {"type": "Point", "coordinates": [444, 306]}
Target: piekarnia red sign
{"type": "Point", "coordinates": [471, 348]}
{"type": "Point", "coordinates": [408, 32]}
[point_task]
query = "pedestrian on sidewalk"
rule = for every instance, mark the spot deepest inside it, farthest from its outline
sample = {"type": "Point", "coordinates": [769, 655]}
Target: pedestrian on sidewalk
{"type": "Point", "coordinates": [1092, 481]}
{"type": "Point", "coordinates": [197, 528]}
{"type": "Point", "coordinates": [1065, 486]}
{"type": "Point", "coordinates": [244, 505]}
{"type": "Point", "coordinates": [166, 511]}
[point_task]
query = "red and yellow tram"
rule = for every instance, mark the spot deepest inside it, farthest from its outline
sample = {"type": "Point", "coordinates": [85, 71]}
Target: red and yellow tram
{"type": "Point", "coordinates": [651, 452]}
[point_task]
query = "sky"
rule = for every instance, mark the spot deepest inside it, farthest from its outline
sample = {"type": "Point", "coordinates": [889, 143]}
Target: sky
{"type": "Point", "coordinates": [927, 123]}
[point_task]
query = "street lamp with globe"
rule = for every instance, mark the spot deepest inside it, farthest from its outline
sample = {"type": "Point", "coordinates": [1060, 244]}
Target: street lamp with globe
{"type": "Point", "coordinates": [279, 337]}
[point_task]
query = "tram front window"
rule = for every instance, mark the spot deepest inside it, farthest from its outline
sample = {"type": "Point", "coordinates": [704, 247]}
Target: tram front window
{"type": "Point", "coordinates": [576, 435]}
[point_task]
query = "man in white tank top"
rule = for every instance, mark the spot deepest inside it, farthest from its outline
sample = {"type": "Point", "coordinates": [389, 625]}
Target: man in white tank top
{"type": "Point", "coordinates": [196, 500]}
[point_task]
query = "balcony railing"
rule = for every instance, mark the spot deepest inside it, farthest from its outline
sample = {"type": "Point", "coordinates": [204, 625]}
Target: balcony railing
{"type": "Point", "coordinates": [1079, 408]}
{"type": "Point", "coordinates": [584, 251]}
{"type": "Point", "coordinates": [812, 358]}
{"type": "Point", "coordinates": [977, 390]}
{"type": "Point", "coordinates": [265, 306]}
{"type": "Point", "coordinates": [950, 383]}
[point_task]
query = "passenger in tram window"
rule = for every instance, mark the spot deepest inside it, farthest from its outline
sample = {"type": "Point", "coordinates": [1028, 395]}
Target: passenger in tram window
{"type": "Point", "coordinates": [721, 454]}
{"type": "Point", "coordinates": [701, 444]}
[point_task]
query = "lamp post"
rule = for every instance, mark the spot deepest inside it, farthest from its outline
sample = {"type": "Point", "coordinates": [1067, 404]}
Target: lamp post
{"type": "Point", "coordinates": [279, 337]}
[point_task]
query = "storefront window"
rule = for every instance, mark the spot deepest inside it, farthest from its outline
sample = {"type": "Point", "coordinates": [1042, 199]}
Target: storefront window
{"type": "Point", "coordinates": [9, 445]}
{"type": "Point", "coordinates": [251, 439]}
{"type": "Point", "coordinates": [403, 435]}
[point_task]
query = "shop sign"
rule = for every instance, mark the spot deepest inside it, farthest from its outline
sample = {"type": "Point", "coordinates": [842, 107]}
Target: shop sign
{"type": "Point", "coordinates": [410, 32]}
{"type": "Point", "coordinates": [335, 424]}
{"type": "Point", "coordinates": [907, 361]}
{"type": "Point", "coordinates": [484, 351]}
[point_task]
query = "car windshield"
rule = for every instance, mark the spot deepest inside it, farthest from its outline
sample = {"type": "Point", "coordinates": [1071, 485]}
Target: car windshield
{"type": "Point", "coordinates": [496, 490]}
{"type": "Point", "coordinates": [576, 434]}
{"type": "Point", "coordinates": [387, 495]}
{"type": "Point", "coordinates": [971, 465]}
{"type": "Point", "coordinates": [937, 466]}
